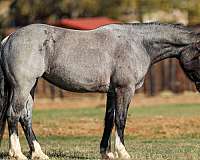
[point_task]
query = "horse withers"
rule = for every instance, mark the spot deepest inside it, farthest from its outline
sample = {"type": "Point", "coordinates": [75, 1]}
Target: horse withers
{"type": "Point", "coordinates": [112, 59]}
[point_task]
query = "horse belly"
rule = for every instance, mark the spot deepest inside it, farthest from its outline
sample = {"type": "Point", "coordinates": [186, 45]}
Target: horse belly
{"type": "Point", "coordinates": [84, 81]}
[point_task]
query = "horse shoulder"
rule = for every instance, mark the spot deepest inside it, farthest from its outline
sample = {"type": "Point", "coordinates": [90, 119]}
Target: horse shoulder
{"type": "Point", "coordinates": [132, 64]}
{"type": "Point", "coordinates": [141, 63]}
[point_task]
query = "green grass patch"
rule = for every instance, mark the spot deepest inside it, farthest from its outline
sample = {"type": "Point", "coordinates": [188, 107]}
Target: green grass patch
{"type": "Point", "coordinates": [178, 110]}
{"type": "Point", "coordinates": [68, 113]}
{"type": "Point", "coordinates": [87, 148]}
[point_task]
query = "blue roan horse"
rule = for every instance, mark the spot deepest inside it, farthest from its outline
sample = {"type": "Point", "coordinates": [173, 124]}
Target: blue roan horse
{"type": "Point", "coordinates": [112, 59]}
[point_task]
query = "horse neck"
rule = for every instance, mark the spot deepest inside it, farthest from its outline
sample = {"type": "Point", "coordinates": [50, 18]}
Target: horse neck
{"type": "Point", "coordinates": [164, 40]}
{"type": "Point", "coordinates": [159, 51]}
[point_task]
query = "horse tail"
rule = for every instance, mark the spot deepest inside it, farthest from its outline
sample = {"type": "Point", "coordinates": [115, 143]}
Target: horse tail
{"type": "Point", "coordinates": [3, 94]}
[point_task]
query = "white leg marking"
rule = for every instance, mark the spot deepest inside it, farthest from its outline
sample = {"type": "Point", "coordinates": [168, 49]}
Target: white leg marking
{"type": "Point", "coordinates": [120, 149]}
{"type": "Point", "coordinates": [15, 148]}
{"type": "Point", "coordinates": [38, 154]}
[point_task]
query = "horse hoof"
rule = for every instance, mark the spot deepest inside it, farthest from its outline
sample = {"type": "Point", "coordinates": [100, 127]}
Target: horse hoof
{"type": "Point", "coordinates": [39, 156]}
{"type": "Point", "coordinates": [124, 156]}
{"type": "Point", "coordinates": [111, 155]}
{"type": "Point", "coordinates": [108, 156]}
{"type": "Point", "coordinates": [116, 155]}
{"type": "Point", "coordinates": [19, 156]}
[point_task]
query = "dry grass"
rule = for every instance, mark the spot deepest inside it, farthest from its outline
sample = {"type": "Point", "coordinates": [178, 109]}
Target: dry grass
{"type": "Point", "coordinates": [100, 99]}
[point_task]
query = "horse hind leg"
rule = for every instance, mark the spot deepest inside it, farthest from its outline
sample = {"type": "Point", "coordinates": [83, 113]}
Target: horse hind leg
{"type": "Point", "coordinates": [26, 123]}
{"type": "Point", "coordinates": [13, 119]}
{"type": "Point", "coordinates": [19, 95]}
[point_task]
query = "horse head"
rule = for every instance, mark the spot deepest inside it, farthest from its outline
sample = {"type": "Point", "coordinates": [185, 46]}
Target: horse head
{"type": "Point", "coordinates": [190, 62]}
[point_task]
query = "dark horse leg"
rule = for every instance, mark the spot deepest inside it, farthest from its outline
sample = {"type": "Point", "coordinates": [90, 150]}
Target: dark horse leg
{"type": "Point", "coordinates": [105, 146]}
{"type": "Point", "coordinates": [26, 123]}
{"type": "Point", "coordinates": [123, 99]}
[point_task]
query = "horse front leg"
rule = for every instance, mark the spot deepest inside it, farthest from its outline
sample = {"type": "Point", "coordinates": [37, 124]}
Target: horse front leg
{"type": "Point", "coordinates": [123, 99]}
{"type": "Point", "coordinates": [105, 146]}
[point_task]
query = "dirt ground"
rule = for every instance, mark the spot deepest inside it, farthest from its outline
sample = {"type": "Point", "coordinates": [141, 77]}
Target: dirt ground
{"type": "Point", "coordinates": [139, 100]}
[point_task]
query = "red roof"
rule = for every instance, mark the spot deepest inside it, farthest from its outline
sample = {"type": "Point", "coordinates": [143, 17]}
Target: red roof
{"type": "Point", "coordinates": [85, 23]}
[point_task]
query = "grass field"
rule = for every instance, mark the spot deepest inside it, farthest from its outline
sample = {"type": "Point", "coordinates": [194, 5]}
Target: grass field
{"type": "Point", "coordinates": [164, 132]}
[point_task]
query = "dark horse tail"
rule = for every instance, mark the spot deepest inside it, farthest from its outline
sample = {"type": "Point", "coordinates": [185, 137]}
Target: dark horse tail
{"type": "Point", "coordinates": [3, 95]}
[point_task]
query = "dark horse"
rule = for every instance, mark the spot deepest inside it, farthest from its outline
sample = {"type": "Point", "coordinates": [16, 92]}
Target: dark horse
{"type": "Point", "coordinates": [112, 59]}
